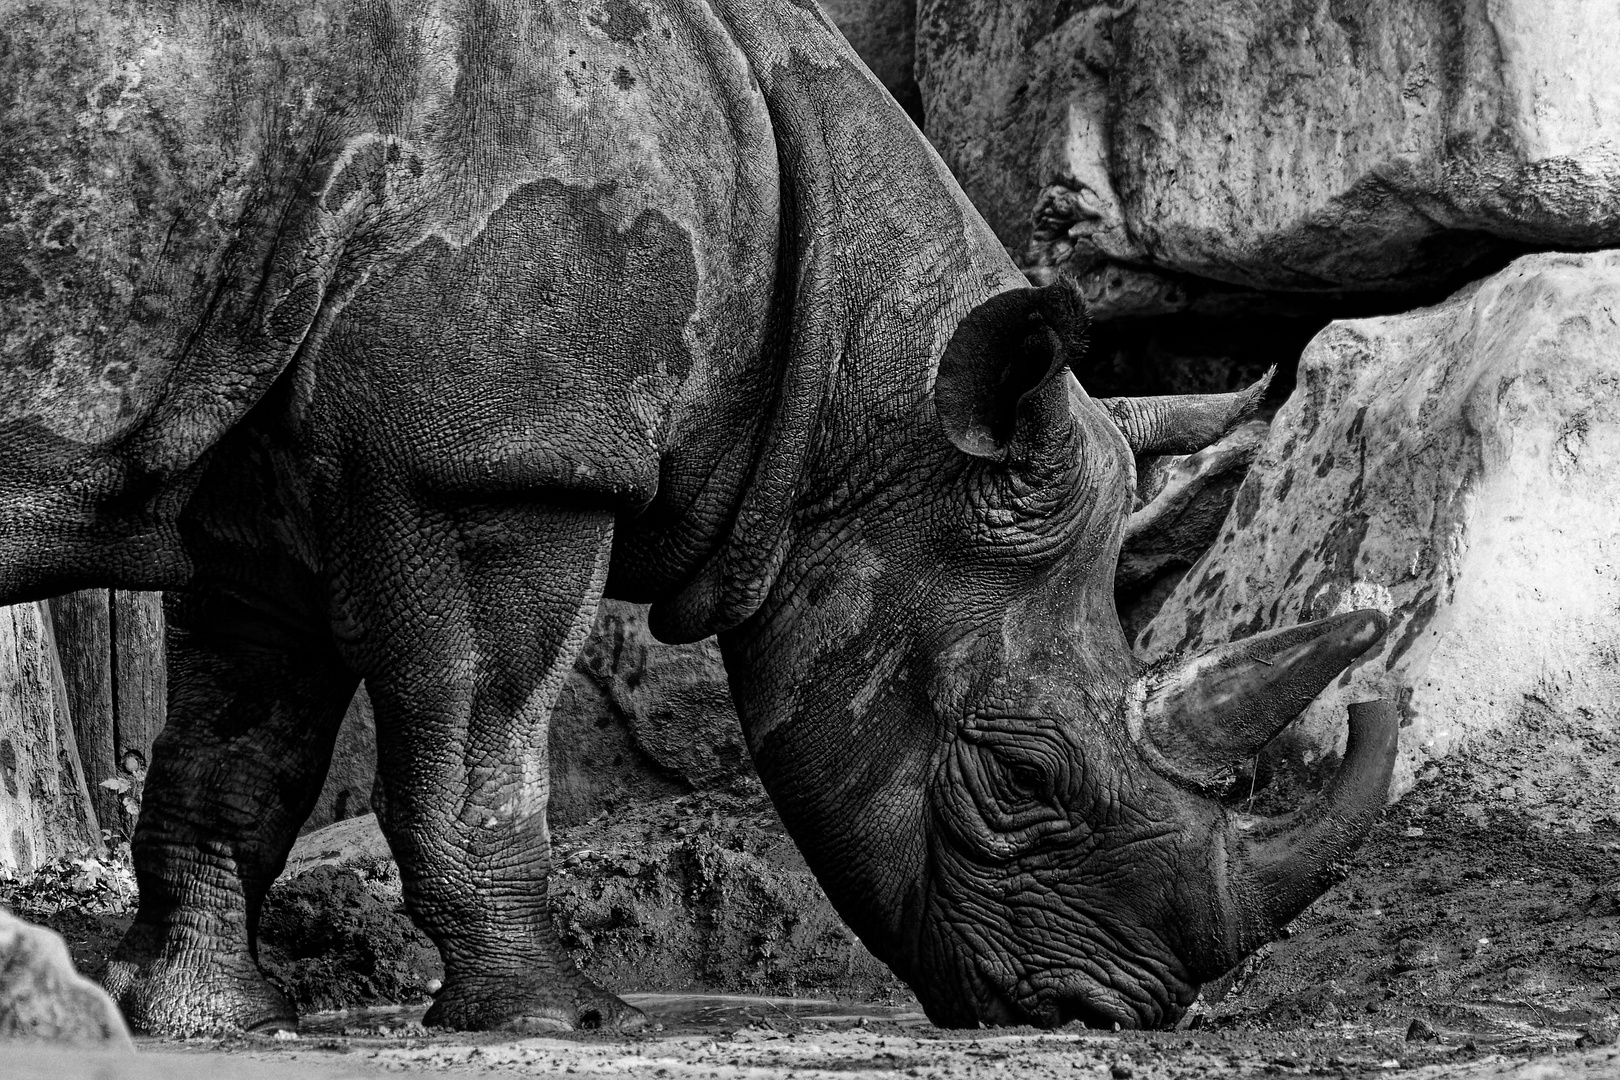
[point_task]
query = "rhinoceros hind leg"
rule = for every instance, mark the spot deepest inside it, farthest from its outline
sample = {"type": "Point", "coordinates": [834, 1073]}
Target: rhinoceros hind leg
{"type": "Point", "coordinates": [254, 711]}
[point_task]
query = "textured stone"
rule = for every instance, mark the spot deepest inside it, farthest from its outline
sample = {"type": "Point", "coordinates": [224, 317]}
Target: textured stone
{"type": "Point", "coordinates": [1459, 467]}
{"type": "Point", "coordinates": [674, 698]}
{"type": "Point", "coordinates": [347, 791]}
{"type": "Point", "coordinates": [42, 997]}
{"type": "Point", "coordinates": [1175, 152]}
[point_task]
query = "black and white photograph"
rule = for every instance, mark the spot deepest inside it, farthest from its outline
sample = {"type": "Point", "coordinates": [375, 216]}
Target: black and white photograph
{"type": "Point", "coordinates": [810, 539]}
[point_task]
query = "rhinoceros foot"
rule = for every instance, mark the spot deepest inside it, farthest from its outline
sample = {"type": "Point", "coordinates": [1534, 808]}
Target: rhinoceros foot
{"type": "Point", "coordinates": [183, 987]}
{"type": "Point", "coordinates": [529, 1007]}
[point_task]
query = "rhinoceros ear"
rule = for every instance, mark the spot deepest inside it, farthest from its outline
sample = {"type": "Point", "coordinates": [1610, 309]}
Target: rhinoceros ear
{"type": "Point", "coordinates": [1000, 356]}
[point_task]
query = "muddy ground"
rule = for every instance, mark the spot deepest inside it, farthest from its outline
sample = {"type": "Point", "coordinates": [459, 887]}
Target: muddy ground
{"type": "Point", "coordinates": [1477, 934]}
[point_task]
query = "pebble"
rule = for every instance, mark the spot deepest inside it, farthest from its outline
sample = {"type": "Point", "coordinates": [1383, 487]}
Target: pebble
{"type": "Point", "coordinates": [1420, 1031]}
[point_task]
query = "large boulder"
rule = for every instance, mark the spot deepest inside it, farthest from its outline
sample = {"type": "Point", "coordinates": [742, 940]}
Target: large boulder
{"type": "Point", "coordinates": [674, 699]}
{"type": "Point", "coordinates": [353, 772]}
{"type": "Point", "coordinates": [43, 998]}
{"type": "Point", "coordinates": [1175, 153]}
{"type": "Point", "coordinates": [1185, 499]}
{"type": "Point", "coordinates": [1459, 467]}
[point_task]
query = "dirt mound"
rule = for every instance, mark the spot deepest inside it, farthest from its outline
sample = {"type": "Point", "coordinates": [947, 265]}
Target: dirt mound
{"type": "Point", "coordinates": [707, 894]}
{"type": "Point", "coordinates": [89, 900]}
{"type": "Point", "coordinates": [337, 937]}
{"type": "Point", "coordinates": [1472, 911]}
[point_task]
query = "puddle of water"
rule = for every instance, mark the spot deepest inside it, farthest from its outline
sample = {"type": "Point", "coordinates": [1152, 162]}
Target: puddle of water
{"type": "Point", "coordinates": [721, 1012]}
{"type": "Point", "coordinates": [732, 1010]}
{"type": "Point", "coordinates": [367, 1020]}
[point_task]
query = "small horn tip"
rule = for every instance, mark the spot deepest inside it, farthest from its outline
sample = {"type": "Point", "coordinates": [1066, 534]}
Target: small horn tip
{"type": "Point", "coordinates": [1366, 626]}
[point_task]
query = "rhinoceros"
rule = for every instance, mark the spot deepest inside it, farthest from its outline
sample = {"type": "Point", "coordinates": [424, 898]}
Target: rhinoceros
{"type": "Point", "coordinates": [388, 336]}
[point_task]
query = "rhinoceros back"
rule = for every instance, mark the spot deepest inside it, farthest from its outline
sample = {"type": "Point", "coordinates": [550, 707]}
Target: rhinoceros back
{"type": "Point", "coordinates": [523, 236]}
{"type": "Point", "coordinates": [149, 154]}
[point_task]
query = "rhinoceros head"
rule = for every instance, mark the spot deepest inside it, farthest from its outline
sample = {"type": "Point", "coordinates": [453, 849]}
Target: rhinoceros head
{"type": "Point", "coordinates": [1003, 802]}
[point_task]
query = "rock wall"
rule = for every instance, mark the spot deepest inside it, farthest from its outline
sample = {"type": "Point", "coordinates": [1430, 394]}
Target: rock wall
{"type": "Point", "coordinates": [1459, 467]}
{"type": "Point", "coordinates": [1179, 521]}
{"type": "Point", "coordinates": [1178, 155]}
{"type": "Point", "coordinates": [884, 33]}
{"type": "Point", "coordinates": [347, 791]}
{"type": "Point", "coordinates": [672, 699]}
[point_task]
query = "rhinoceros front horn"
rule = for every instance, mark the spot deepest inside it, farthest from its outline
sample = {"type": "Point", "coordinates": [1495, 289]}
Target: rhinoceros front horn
{"type": "Point", "coordinates": [1201, 718]}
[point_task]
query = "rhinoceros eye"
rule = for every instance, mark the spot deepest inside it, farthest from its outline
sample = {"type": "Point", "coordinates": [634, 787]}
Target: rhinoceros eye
{"type": "Point", "coordinates": [1004, 786]}
{"type": "Point", "coordinates": [1023, 781]}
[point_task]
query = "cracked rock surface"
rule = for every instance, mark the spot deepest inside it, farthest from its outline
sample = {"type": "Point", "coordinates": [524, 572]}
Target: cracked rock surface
{"type": "Point", "coordinates": [1175, 153]}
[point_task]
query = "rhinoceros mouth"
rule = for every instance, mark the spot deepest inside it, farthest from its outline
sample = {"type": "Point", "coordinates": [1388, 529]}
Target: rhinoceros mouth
{"type": "Point", "coordinates": [1001, 1006]}
{"type": "Point", "coordinates": [996, 1007]}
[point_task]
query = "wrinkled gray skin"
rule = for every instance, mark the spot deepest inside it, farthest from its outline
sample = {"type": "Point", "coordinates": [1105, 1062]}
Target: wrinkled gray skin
{"type": "Point", "coordinates": [388, 337]}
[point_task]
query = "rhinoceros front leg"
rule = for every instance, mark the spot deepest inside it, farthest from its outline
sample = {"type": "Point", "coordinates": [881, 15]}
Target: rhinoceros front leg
{"type": "Point", "coordinates": [254, 708]}
{"type": "Point", "coordinates": [465, 622]}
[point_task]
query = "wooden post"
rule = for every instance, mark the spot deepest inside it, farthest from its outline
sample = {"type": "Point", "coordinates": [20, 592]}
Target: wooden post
{"type": "Point", "coordinates": [83, 623]}
{"type": "Point", "coordinates": [140, 682]}
{"type": "Point", "coordinates": [45, 808]}
{"type": "Point", "coordinates": [70, 762]}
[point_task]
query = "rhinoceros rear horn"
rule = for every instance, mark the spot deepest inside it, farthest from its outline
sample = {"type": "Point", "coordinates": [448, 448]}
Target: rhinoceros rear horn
{"type": "Point", "coordinates": [1201, 718]}
{"type": "Point", "coordinates": [1000, 356]}
{"type": "Point", "coordinates": [1182, 423]}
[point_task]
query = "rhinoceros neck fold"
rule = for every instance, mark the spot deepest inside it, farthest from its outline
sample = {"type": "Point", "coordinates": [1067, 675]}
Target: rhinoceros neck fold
{"type": "Point", "coordinates": [882, 257]}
